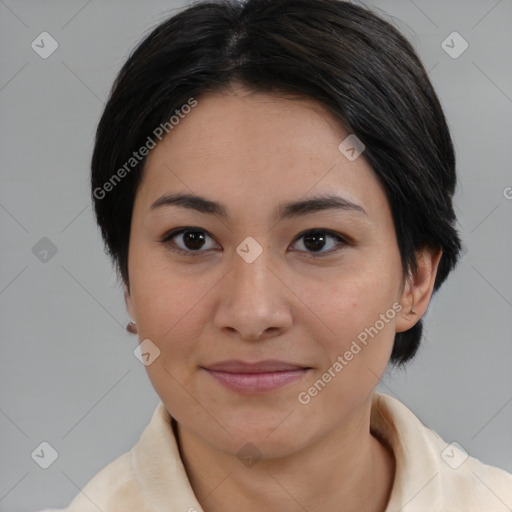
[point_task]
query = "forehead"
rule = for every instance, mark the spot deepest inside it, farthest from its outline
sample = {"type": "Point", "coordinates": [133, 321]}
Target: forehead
{"type": "Point", "coordinates": [255, 122]}
{"type": "Point", "coordinates": [241, 144]}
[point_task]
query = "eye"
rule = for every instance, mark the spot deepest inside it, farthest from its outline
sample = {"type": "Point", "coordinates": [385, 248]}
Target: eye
{"type": "Point", "coordinates": [188, 240]}
{"type": "Point", "coordinates": [316, 240]}
{"type": "Point", "coordinates": [193, 241]}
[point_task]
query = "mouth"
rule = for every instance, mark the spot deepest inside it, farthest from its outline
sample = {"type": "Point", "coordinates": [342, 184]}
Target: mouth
{"type": "Point", "coordinates": [258, 377]}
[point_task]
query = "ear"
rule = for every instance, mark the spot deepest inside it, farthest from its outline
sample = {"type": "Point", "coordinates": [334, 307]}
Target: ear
{"type": "Point", "coordinates": [418, 288]}
{"type": "Point", "coordinates": [129, 304]}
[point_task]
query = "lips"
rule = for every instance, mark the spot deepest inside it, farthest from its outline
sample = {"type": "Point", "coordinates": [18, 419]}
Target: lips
{"type": "Point", "coordinates": [267, 366]}
{"type": "Point", "coordinates": [258, 377]}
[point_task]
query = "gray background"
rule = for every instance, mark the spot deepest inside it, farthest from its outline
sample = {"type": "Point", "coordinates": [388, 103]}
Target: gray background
{"type": "Point", "coordinates": [68, 375]}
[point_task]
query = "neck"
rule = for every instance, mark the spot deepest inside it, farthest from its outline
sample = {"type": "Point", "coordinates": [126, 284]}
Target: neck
{"type": "Point", "coordinates": [348, 470]}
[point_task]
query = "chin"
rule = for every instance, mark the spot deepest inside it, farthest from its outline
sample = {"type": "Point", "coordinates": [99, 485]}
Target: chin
{"type": "Point", "coordinates": [273, 433]}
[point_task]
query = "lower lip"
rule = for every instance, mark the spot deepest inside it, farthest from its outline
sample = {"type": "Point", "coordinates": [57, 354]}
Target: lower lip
{"type": "Point", "coordinates": [257, 382]}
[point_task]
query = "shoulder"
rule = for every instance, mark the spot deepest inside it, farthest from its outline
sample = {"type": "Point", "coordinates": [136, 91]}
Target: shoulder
{"type": "Point", "coordinates": [468, 482]}
{"type": "Point", "coordinates": [149, 477]}
{"type": "Point", "coordinates": [112, 489]}
{"type": "Point", "coordinates": [432, 474]}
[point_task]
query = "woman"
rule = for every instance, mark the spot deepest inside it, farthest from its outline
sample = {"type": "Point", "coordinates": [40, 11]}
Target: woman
{"type": "Point", "coordinates": [274, 182]}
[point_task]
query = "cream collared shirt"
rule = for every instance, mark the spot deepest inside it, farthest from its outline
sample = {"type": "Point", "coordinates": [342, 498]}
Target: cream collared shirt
{"type": "Point", "coordinates": [431, 475]}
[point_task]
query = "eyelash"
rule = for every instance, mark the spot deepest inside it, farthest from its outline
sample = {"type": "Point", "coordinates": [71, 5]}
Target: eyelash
{"type": "Point", "coordinates": [167, 241]}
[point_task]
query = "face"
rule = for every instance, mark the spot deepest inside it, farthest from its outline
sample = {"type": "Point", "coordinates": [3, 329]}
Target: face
{"type": "Point", "coordinates": [264, 274]}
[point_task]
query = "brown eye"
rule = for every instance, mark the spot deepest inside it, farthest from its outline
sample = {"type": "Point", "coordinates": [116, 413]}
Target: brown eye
{"type": "Point", "coordinates": [188, 240]}
{"type": "Point", "coordinates": [314, 241]}
{"type": "Point", "coordinates": [193, 240]}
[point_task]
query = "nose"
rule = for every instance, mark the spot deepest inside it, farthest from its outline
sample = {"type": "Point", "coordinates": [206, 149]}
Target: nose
{"type": "Point", "coordinates": [253, 301]}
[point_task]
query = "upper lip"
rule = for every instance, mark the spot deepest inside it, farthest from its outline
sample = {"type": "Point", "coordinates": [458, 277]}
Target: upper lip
{"type": "Point", "coordinates": [268, 365]}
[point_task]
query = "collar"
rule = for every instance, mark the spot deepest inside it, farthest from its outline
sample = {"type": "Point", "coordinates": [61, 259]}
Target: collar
{"type": "Point", "coordinates": [417, 485]}
{"type": "Point", "coordinates": [165, 486]}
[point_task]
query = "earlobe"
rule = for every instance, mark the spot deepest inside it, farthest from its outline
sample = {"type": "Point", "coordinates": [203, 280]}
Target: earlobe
{"type": "Point", "coordinates": [418, 288]}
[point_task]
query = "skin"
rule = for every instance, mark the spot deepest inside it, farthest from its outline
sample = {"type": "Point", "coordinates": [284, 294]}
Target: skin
{"type": "Point", "coordinates": [252, 152]}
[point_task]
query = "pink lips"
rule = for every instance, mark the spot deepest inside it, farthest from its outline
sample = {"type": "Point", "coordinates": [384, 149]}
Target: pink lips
{"type": "Point", "coordinates": [255, 377]}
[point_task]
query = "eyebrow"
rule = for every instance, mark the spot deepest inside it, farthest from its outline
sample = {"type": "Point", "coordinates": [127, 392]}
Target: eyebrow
{"type": "Point", "coordinates": [285, 211]}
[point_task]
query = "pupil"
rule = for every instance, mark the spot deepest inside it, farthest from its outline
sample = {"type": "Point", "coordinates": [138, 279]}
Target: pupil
{"type": "Point", "coordinates": [318, 241]}
{"type": "Point", "coordinates": [194, 239]}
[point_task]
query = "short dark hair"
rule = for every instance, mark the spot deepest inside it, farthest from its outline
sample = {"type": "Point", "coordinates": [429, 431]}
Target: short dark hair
{"type": "Point", "coordinates": [353, 62]}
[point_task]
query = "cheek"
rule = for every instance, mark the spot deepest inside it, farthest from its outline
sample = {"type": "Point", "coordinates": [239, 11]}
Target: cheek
{"type": "Point", "coordinates": [168, 305]}
{"type": "Point", "coordinates": [357, 306]}
{"type": "Point", "coordinates": [356, 343]}
{"type": "Point", "coordinates": [169, 309]}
